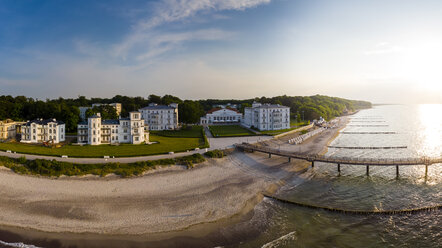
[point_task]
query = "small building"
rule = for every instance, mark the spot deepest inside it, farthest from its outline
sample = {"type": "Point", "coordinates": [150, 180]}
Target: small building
{"type": "Point", "coordinates": [160, 117]}
{"type": "Point", "coordinates": [130, 130]}
{"type": "Point", "coordinates": [40, 131]}
{"type": "Point", "coordinates": [10, 129]}
{"type": "Point", "coordinates": [267, 117]}
{"type": "Point", "coordinates": [117, 106]}
{"type": "Point", "coordinates": [225, 115]}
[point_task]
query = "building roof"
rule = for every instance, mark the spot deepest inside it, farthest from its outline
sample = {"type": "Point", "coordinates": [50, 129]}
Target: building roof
{"type": "Point", "coordinates": [43, 122]}
{"type": "Point", "coordinates": [110, 122]}
{"type": "Point", "coordinates": [267, 105]}
{"type": "Point", "coordinates": [218, 109]}
{"type": "Point", "coordinates": [7, 121]}
{"type": "Point", "coordinates": [157, 107]}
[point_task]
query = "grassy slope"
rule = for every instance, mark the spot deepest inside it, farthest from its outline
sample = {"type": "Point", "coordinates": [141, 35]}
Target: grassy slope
{"type": "Point", "coordinates": [185, 132]}
{"type": "Point", "coordinates": [229, 130]}
{"type": "Point", "coordinates": [165, 145]}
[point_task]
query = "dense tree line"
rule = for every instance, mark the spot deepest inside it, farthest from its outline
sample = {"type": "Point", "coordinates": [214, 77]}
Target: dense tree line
{"type": "Point", "coordinates": [189, 111]}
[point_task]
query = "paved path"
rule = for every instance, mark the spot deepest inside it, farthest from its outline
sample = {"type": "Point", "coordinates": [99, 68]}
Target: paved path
{"type": "Point", "coordinates": [215, 143]}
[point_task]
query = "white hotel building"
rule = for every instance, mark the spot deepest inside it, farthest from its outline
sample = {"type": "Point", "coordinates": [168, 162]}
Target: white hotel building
{"type": "Point", "coordinates": [221, 116]}
{"type": "Point", "coordinates": [124, 130]}
{"type": "Point", "coordinates": [267, 116]}
{"type": "Point", "coordinates": [160, 117]}
{"type": "Point", "coordinates": [39, 131]}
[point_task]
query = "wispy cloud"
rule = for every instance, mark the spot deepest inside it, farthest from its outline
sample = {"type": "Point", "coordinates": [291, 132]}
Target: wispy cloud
{"type": "Point", "coordinates": [175, 10]}
{"type": "Point", "coordinates": [169, 11]}
{"type": "Point", "coordinates": [162, 43]}
{"type": "Point", "coordinates": [383, 48]}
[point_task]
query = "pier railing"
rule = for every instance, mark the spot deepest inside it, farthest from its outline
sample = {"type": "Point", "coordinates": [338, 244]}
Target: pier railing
{"type": "Point", "coordinates": [341, 160]}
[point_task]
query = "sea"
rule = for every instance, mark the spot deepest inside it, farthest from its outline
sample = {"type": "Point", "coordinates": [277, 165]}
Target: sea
{"type": "Point", "coordinates": [392, 132]}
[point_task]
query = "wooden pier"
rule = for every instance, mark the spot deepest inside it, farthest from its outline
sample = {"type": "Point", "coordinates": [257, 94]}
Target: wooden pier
{"type": "Point", "coordinates": [343, 160]}
{"type": "Point", "coordinates": [345, 132]}
{"type": "Point", "coordinates": [368, 147]}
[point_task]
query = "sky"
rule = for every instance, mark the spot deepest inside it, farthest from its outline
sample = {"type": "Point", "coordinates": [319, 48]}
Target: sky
{"type": "Point", "coordinates": [382, 51]}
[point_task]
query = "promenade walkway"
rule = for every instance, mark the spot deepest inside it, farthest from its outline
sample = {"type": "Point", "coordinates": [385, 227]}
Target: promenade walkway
{"type": "Point", "coordinates": [215, 143]}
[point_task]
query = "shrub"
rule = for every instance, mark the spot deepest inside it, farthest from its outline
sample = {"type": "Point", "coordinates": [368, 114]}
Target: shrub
{"type": "Point", "coordinates": [21, 160]}
{"type": "Point", "coordinates": [56, 168]}
{"type": "Point", "coordinates": [214, 154]}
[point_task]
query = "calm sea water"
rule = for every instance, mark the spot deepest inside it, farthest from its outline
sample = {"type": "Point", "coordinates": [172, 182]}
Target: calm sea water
{"type": "Point", "coordinates": [419, 128]}
{"type": "Point", "coordinates": [276, 224]}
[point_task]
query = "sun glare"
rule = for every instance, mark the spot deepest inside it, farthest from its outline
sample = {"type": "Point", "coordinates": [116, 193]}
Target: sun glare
{"type": "Point", "coordinates": [431, 133]}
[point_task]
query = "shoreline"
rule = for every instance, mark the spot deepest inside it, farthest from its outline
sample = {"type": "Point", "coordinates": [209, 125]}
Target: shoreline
{"type": "Point", "coordinates": [169, 205]}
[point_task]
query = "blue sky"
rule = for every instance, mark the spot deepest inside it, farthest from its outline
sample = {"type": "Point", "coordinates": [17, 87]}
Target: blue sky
{"type": "Point", "coordinates": [382, 51]}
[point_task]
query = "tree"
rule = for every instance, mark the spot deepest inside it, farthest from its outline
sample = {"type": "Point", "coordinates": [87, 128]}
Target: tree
{"type": "Point", "coordinates": [107, 112]}
{"type": "Point", "coordinates": [154, 99]}
{"type": "Point", "coordinates": [190, 111]}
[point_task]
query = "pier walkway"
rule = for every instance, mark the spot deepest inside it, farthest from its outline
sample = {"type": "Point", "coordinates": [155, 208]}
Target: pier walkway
{"type": "Point", "coordinates": [342, 160]}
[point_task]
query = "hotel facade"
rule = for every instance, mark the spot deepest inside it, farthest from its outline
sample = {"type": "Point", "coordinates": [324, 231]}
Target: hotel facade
{"type": "Point", "coordinates": [221, 115]}
{"type": "Point", "coordinates": [9, 129]}
{"type": "Point", "coordinates": [39, 131]}
{"type": "Point", "coordinates": [160, 117]}
{"type": "Point", "coordinates": [130, 130]}
{"type": "Point", "coordinates": [267, 116]}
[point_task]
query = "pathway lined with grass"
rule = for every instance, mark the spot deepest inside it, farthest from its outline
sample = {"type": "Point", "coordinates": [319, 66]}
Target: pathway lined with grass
{"type": "Point", "coordinates": [230, 131]}
{"type": "Point", "coordinates": [163, 145]}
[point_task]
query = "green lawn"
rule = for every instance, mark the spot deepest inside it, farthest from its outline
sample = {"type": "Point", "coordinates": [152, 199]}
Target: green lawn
{"type": "Point", "coordinates": [185, 132]}
{"type": "Point", "coordinates": [229, 131]}
{"type": "Point", "coordinates": [294, 123]}
{"type": "Point", "coordinates": [276, 132]}
{"type": "Point", "coordinates": [164, 145]}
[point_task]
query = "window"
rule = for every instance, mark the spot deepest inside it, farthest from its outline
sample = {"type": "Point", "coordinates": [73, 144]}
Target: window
{"type": "Point", "coordinates": [136, 138]}
{"type": "Point", "coordinates": [94, 139]}
{"type": "Point", "coordinates": [125, 137]}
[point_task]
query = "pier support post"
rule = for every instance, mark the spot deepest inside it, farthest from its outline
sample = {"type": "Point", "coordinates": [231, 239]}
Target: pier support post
{"type": "Point", "coordinates": [290, 159]}
{"type": "Point", "coordinates": [397, 171]}
{"type": "Point", "coordinates": [339, 168]}
{"type": "Point", "coordinates": [426, 170]}
{"type": "Point", "coordinates": [270, 155]}
{"type": "Point", "coordinates": [368, 170]}
{"type": "Point", "coordinates": [313, 163]}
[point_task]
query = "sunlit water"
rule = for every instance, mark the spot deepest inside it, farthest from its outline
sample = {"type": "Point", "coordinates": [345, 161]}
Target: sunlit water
{"type": "Point", "coordinates": [419, 128]}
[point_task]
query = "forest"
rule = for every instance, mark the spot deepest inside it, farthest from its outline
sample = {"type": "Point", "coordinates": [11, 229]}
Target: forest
{"type": "Point", "coordinates": [23, 108]}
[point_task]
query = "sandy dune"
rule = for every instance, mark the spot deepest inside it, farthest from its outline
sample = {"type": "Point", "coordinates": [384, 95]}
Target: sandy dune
{"type": "Point", "coordinates": [165, 200]}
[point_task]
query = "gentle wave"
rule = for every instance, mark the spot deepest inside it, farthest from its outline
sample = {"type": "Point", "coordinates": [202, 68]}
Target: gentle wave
{"type": "Point", "coordinates": [18, 245]}
{"type": "Point", "coordinates": [281, 240]}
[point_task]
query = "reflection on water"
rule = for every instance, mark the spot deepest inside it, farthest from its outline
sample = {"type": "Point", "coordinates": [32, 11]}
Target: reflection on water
{"type": "Point", "coordinates": [430, 135]}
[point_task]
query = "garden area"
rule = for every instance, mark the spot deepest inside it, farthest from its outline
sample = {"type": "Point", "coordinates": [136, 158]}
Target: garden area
{"type": "Point", "coordinates": [161, 145]}
{"type": "Point", "coordinates": [230, 131]}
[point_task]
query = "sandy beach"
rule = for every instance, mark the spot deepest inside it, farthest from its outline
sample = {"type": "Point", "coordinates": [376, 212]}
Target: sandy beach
{"type": "Point", "coordinates": [168, 199]}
